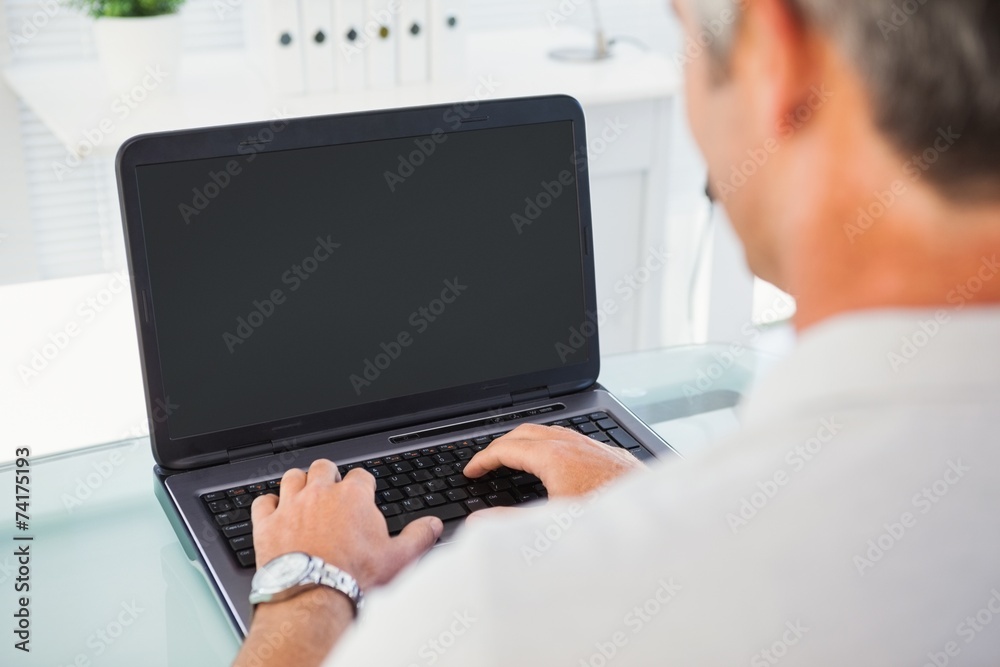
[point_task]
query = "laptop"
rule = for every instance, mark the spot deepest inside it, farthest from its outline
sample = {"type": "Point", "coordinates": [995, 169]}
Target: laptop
{"type": "Point", "coordinates": [390, 290]}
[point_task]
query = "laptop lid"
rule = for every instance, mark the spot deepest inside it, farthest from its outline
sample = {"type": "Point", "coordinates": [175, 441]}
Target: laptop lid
{"type": "Point", "coordinates": [299, 281]}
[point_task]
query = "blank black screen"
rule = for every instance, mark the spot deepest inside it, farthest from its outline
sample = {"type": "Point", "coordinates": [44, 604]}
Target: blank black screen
{"type": "Point", "coordinates": [288, 283]}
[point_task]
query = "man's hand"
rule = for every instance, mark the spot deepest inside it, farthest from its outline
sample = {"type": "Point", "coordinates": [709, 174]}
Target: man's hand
{"type": "Point", "coordinates": [337, 521]}
{"type": "Point", "coordinates": [568, 463]}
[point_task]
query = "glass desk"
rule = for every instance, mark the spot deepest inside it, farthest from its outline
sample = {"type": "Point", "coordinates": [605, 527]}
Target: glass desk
{"type": "Point", "coordinates": [110, 581]}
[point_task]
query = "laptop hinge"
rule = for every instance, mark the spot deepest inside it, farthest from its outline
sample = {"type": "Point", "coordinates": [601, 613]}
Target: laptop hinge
{"type": "Point", "coordinates": [527, 395]}
{"type": "Point", "coordinates": [250, 451]}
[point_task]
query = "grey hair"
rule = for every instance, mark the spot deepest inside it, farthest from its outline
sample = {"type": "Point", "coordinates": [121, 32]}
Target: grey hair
{"type": "Point", "coordinates": [930, 67]}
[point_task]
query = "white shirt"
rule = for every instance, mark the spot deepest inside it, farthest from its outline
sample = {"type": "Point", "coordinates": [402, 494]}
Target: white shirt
{"type": "Point", "coordinates": [854, 521]}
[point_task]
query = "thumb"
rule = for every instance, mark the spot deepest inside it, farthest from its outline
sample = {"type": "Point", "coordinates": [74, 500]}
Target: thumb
{"type": "Point", "coordinates": [416, 539]}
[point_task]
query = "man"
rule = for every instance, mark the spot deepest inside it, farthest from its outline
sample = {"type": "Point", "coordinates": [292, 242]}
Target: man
{"type": "Point", "coordinates": [856, 147]}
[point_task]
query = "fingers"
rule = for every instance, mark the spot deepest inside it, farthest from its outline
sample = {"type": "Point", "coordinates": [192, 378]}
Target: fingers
{"type": "Point", "coordinates": [292, 482]}
{"type": "Point", "coordinates": [263, 507]}
{"type": "Point", "coordinates": [515, 450]}
{"type": "Point", "coordinates": [361, 476]}
{"type": "Point", "coordinates": [416, 539]}
{"type": "Point", "coordinates": [323, 471]}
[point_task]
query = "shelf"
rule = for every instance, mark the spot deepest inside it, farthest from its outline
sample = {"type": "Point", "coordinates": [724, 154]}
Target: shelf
{"type": "Point", "coordinates": [214, 88]}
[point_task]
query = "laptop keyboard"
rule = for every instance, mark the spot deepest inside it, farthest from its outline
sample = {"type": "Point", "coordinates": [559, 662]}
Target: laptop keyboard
{"type": "Point", "coordinates": [422, 482]}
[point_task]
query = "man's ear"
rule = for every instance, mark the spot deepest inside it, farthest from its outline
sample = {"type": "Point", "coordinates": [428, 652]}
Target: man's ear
{"type": "Point", "coordinates": [777, 56]}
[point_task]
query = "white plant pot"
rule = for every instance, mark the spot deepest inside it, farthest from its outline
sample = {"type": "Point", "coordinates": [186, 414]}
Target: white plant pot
{"type": "Point", "coordinates": [139, 51]}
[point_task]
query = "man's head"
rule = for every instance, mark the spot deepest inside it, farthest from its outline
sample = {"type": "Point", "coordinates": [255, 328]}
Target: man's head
{"type": "Point", "coordinates": [808, 109]}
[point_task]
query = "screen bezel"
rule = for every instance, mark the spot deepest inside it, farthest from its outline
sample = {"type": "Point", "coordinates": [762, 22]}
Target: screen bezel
{"type": "Point", "coordinates": [218, 142]}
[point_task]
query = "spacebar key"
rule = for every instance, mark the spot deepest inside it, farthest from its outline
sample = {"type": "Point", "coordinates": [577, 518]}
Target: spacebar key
{"type": "Point", "coordinates": [443, 512]}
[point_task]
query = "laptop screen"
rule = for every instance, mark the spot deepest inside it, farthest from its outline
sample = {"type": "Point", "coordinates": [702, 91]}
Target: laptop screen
{"type": "Point", "coordinates": [288, 283]}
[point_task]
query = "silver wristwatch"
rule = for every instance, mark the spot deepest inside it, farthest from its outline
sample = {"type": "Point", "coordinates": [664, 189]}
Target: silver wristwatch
{"type": "Point", "coordinates": [288, 575]}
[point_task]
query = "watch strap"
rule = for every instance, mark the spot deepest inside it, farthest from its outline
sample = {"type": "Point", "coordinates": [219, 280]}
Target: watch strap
{"type": "Point", "coordinates": [339, 580]}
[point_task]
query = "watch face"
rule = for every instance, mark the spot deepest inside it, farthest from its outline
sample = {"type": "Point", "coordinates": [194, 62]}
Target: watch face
{"type": "Point", "coordinates": [282, 572]}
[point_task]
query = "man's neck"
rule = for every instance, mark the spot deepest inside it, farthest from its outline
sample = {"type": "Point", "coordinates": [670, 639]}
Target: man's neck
{"type": "Point", "coordinates": [921, 253]}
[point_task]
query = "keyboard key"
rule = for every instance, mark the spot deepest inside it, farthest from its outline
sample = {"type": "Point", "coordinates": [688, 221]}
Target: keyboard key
{"type": "Point", "coordinates": [401, 467]}
{"type": "Point", "coordinates": [456, 481]}
{"type": "Point", "coordinates": [444, 457]}
{"type": "Point", "coordinates": [241, 542]}
{"type": "Point", "coordinates": [233, 516]}
{"type": "Point", "coordinates": [372, 463]}
{"type": "Point", "coordinates": [399, 480]}
{"type": "Point", "coordinates": [413, 490]}
{"type": "Point", "coordinates": [442, 471]}
{"type": "Point", "coordinates": [436, 485]}
{"type": "Point", "coordinates": [213, 497]}
{"type": "Point", "coordinates": [237, 529]}
{"type": "Point", "coordinates": [412, 504]}
{"type": "Point", "coordinates": [443, 512]}
{"type": "Point", "coordinates": [501, 499]}
{"type": "Point", "coordinates": [479, 489]}
{"type": "Point", "coordinates": [274, 484]}
{"type": "Point", "coordinates": [244, 501]}
{"type": "Point", "coordinates": [395, 458]}
{"type": "Point", "coordinates": [239, 491]}
{"type": "Point", "coordinates": [482, 440]}
{"type": "Point", "coordinates": [380, 471]}
{"type": "Point", "coordinates": [607, 424]}
{"type": "Point", "coordinates": [390, 509]}
{"type": "Point", "coordinates": [421, 476]}
{"type": "Point", "coordinates": [623, 439]}
{"type": "Point", "coordinates": [579, 420]}
{"type": "Point", "coordinates": [523, 479]}
{"type": "Point", "coordinates": [475, 504]}
{"type": "Point", "coordinates": [448, 448]}
{"type": "Point", "coordinates": [587, 428]}
{"type": "Point", "coordinates": [641, 454]}
{"type": "Point", "coordinates": [424, 462]}
{"type": "Point", "coordinates": [562, 422]}
{"type": "Point", "coordinates": [220, 506]}
{"type": "Point", "coordinates": [455, 495]}
{"type": "Point", "coordinates": [600, 436]}
{"type": "Point", "coordinates": [464, 454]}
{"type": "Point", "coordinates": [434, 499]}
{"type": "Point", "coordinates": [254, 488]}
{"type": "Point", "coordinates": [247, 557]}
{"type": "Point", "coordinates": [500, 484]}
{"type": "Point", "coordinates": [392, 495]}
{"type": "Point", "coordinates": [381, 485]}
{"type": "Point", "coordinates": [598, 416]}
{"type": "Point", "coordinates": [525, 497]}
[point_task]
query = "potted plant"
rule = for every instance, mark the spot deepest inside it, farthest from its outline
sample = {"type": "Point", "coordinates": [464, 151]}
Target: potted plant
{"type": "Point", "coordinates": [133, 36]}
